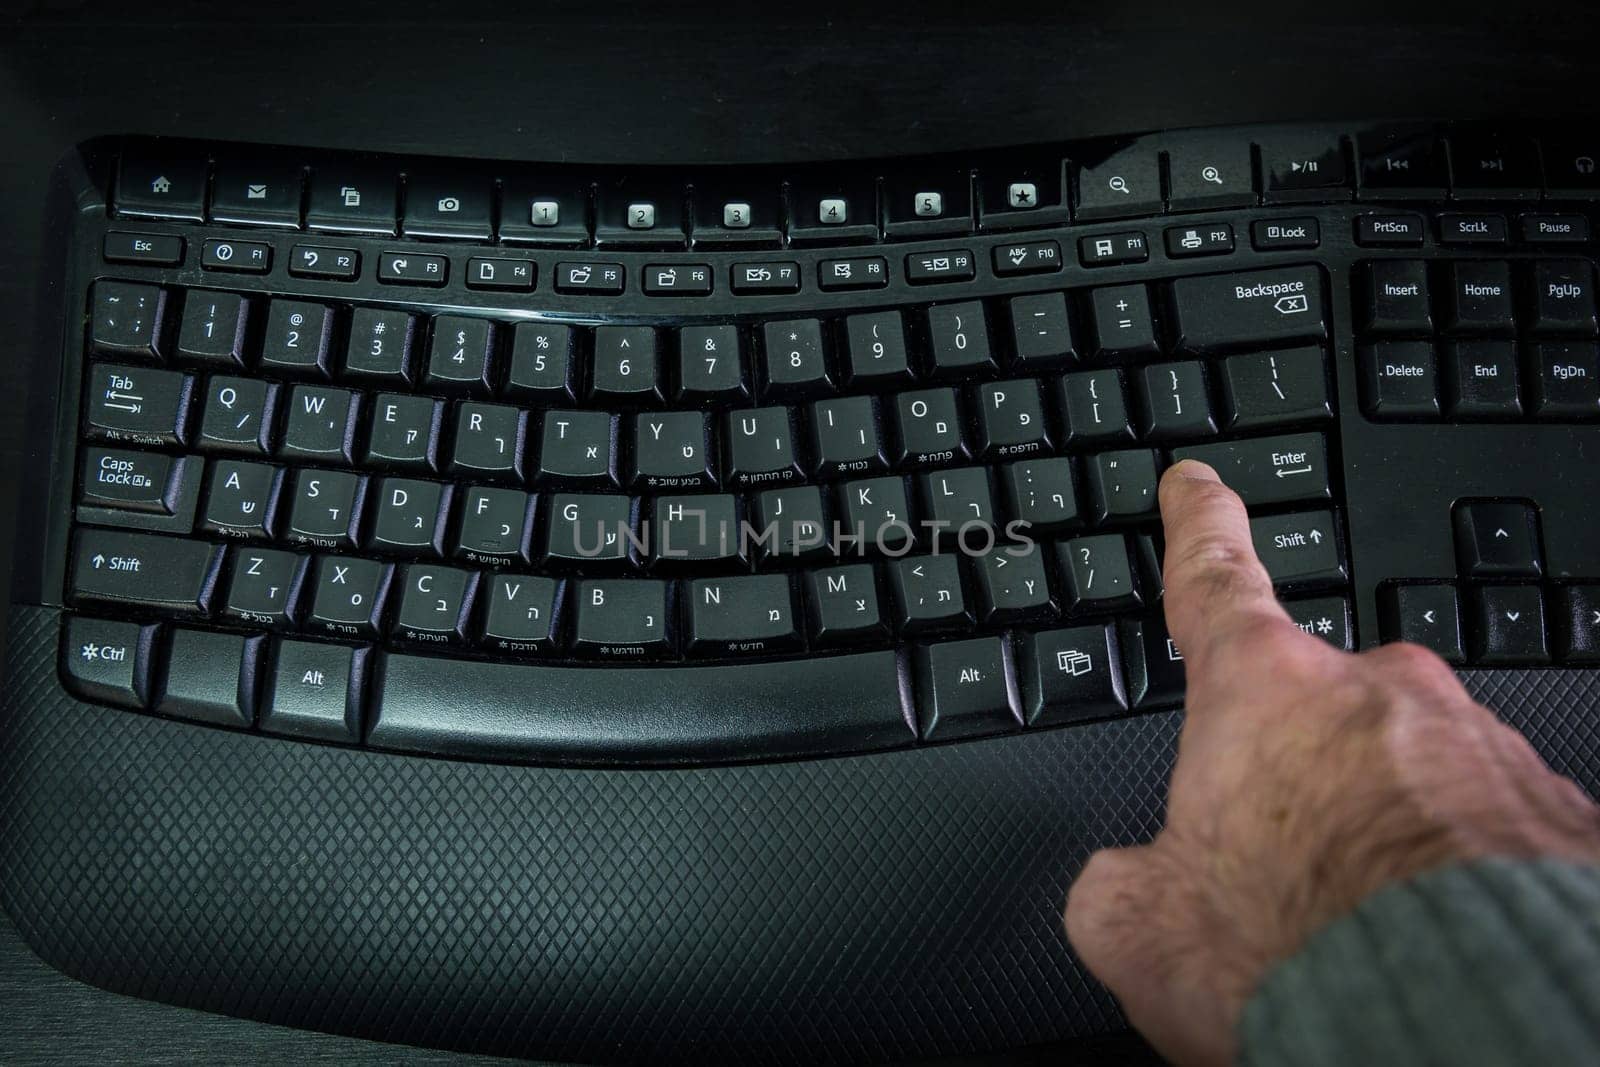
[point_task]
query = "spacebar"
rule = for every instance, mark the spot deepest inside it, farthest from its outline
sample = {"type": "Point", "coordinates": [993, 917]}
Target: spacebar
{"type": "Point", "coordinates": [518, 711]}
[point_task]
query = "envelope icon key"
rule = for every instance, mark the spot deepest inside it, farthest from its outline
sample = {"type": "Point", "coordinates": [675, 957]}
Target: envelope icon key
{"type": "Point", "coordinates": [255, 192]}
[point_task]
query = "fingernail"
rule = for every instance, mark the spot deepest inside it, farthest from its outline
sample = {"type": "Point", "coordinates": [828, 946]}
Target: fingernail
{"type": "Point", "coordinates": [1193, 470]}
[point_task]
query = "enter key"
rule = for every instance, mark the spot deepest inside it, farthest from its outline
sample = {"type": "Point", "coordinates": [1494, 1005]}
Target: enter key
{"type": "Point", "coordinates": [1268, 470]}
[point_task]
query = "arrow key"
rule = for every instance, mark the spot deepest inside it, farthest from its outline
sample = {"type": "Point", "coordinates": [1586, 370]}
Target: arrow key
{"type": "Point", "coordinates": [1428, 615]}
{"type": "Point", "coordinates": [1580, 630]}
{"type": "Point", "coordinates": [1509, 626]}
{"type": "Point", "coordinates": [1498, 539]}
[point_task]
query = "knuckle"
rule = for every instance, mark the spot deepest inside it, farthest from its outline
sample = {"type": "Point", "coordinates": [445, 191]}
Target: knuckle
{"type": "Point", "coordinates": [1415, 664]}
{"type": "Point", "coordinates": [1219, 565]}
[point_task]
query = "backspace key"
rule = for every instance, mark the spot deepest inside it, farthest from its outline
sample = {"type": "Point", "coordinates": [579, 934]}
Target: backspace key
{"type": "Point", "coordinates": [1222, 311]}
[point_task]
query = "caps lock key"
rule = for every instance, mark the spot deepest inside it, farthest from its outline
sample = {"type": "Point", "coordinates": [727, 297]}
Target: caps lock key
{"type": "Point", "coordinates": [1259, 307]}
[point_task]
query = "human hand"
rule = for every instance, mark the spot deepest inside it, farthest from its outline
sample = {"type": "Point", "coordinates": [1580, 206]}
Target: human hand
{"type": "Point", "coordinates": [1306, 779]}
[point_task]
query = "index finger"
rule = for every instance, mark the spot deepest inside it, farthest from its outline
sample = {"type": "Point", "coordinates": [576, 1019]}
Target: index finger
{"type": "Point", "coordinates": [1216, 587]}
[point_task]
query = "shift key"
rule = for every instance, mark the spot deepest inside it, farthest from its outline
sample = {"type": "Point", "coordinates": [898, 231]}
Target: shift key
{"type": "Point", "coordinates": [166, 574]}
{"type": "Point", "coordinates": [1220, 311]}
{"type": "Point", "coordinates": [1299, 549]}
{"type": "Point", "coordinates": [1268, 470]}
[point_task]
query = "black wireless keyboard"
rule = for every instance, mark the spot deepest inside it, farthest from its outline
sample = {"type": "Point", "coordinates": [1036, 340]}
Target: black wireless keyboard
{"type": "Point", "coordinates": [641, 468]}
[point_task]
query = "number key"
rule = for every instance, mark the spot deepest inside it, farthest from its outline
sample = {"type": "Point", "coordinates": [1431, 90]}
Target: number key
{"type": "Point", "coordinates": [380, 345]}
{"type": "Point", "coordinates": [213, 328]}
{"type": "Point", "coordinates": [709, 364]}
{"type": "Point", "coordinates": [958, 336]}
{"type": "Point", "coordinates": [625, 364]}
{"type": "Point", "coordinates": [458, 356]}
{"type": "Point", "coordinates": [794, 361]}
{"type": "Point", "coordinates": [541, 363]}
{"type": "Point", "coordinates": [877, 344]}
{"type": "Point", "coordinates": [296, 341]}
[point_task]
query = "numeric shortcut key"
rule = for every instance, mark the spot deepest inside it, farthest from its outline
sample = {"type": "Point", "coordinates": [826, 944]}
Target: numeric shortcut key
{"type": "Point", "coordinates": [793, 362]}
{"type": "Point", "coordinates": [213, 328]}
{"type": "Point", "coordinates": [458, 354]}
{"type": "Point", "coordinates": [380, 346]}
{"type": "Point", "coordinates": [958, 338]}
{"type": "Point", "coordinates": [877, 348]}
{"type": "Point", "coordinates": [623, 368]}
{"type": "Point", "coordinates": [710, 365]}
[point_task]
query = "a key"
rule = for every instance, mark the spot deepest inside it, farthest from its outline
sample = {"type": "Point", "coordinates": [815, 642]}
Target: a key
{"type": "Point", "coordinates": [875, 515]}
{"type": "Point", "coordinates": [1274, 388]}
{"type": "Point", "coordinates": [962, 689]}
{"type": "Point", "coordinates": [238, 416]}
{"type": "Point", "coordinates": [458, 354]}
{"type": "Point", "coordinates": [126, 320]}
{"type": "Point", "coordinates": [321, 424]}
{"type": "Point", "coordinates": [624, 367]}
{"type": "Point", "coordinates": [877, 349]}
{"type": "Point", "coordinates": [588, 529]}
{"type": "Point", "coordinates": [213, 328]}
{"type": "Point", "coordinates": [212, 677]}
{"type": "Point", "coordinates": [1012, 586]}
{"type": "Point", "coordinates": [138, 405]}
{"type": "Point", "coordinates": [844, 605]}
{"type": "Point", "coordinates": [1173, 403]}
{"type": "Point", "coordinates": [1011, 419]}
{"type": "Point", "coordinates": [958, 502]}
{"type": "Point", "coordinates": [488, 441]}
{"type": "Point", "coordinates": [1041, 334]}
{"type": "Point", "coordinates": [695, 530]}
{"type": "Point", "coordinates": [958, 339]}
{"type": "Point", "coordinates": [710, 366]}
{"type": "Point", "coordinates": [1509, 626]}
{"type": "Point", "coordinates": [1122, 485]}
{"type": "Point", "coordinates": [750, 615]}
{"type": "Point", "coordinates": [496, 526]}
{"type": "Point", "coordinates": [241, 499]}
{"type": "Point", "coordinates": [348, 597]}
{"type": "Point", "coordinates": [541, 364]}
{"type": "Point", "coordinates": [671, 449]}
{"type": "Point", "coordinates": [296, 340]}
{"type": "Point", "coordinates": [315, 691]}
{"type": "Point", "coordinates": [844, 437]}
{"type": "Point", "coordinates": [264, 587]}
{"type": "Point", "coordinates": [409, 516]}
{"type": "Point", "coordinates": [135, 570]}
{"type": "Point", "coordinates": [521, 613]}
{"type": "Point", "coordinates": [1098, 574]}
{"type": "Point", "coordinates": [435, 603]}
{"type": "Point", "coordinates": [326, 508]}
{"type": "Point", "coordinates": [927, 593]}
{"type": "Point", "coordinates": [622, 619]}
{"type": "Point", "coordinates": [1072, 674]}
{"type": "Point", "coordinates": [1123, 325]}
{"type": "Point", "coordinates": [405, 432]}
{"type": "Point", "coordinates": [1094, 408]}
{"type": "Point", "coordinates": [789, 524]}
{"type": "Point", "coordinates": [793, 363]}
{"type": "Point", "coordinates": [761, 447]}
{"type": "Point", "coordinates": [575, 448]}
{"type": "Point", "coordinates": [1040, 492]}
{"type": "Point", "coordinates": [380, 346]}
{"type": "Point", "coordinates": [1425, 614]}
{"type": "Point", "coordinates": [929, 428]}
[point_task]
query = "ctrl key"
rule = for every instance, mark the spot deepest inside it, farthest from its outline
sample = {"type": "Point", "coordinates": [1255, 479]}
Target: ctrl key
{"type": "Point", "coordinates": [107, 662]}
{"type": "Point", "coordinates": [315, 691]}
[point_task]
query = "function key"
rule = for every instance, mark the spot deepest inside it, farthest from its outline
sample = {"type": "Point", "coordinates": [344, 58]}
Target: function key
{"type": "Point", "coordinates": [928, 205]}
{"type": "Point", "coordinates": [544, 210]}
{"type": "Point", "coordinates": [511, 274]}
{"type": "Point", "coordinates": [1276, 235]}
{"type": "Point", "coordinates": [257, 193]}
{"type": "Point", "coordinates": [831, 212]}
{"type": "Point", "coordinates": [677, 279]}
{"type": "Point", "coordinates": [349, 198]}
{"type": "Point", "coordinates": [1107, 249]}
{"type": "Point", "coordinates": [1404, 229]}
{"type": "Point", "coordinates": [629, 215]}
{"type": "Point", "coordinates": [1296, 171]}
{"type": "Point", "coordinates": [454, 206]}
{"type": "Point", "coordinates": [1036, 257]}
{"type": "Point", "coordinates": [946, 265]}
{"type": "Point", "coordinates": [1572, 168]}
{"type": "Point", "coordinates": [737, 216]}
{"type": "Point", "coordinates": [1496, 170]}
{"type": "Point", "coordinates": [164, 187]}
{"type": "Point", "coordinates": [1023, 193]}
{"type": "Point", "coordinates": [1210, 176]}
{"type": "Point", "coordinates": [1460, 229]}
{"type": "Point", "coordinates": [1402, 164]}
{"type": "Point", "coordinates": [591, 279]}
{"type": "Point", "coordinates": [122, 246]}
{"type": "Point", "coordinates": [1212, 240]}
{"type": "Point", "coordinates": [1555, 229]}
{"type": "Point", "coordinates": [1126, 184]}
{"type": "Point", "coordinates": [316, 261]}
{"type": "Point", "coordinates": [774, 277]}
{"type": "Point", "coordinates": [863, 272]}
{"type": "Point", "coordinates": [245, 257]}
{"type": "Point", "coordinates": [412, 268]}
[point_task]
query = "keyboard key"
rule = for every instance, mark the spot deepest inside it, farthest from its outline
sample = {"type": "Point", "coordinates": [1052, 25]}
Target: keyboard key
{"type": "Point", "coordinates": [256, 192]}
{"type": "Point", "coordinates": [1281, 235]}
{"type": "Point", "coordinates": [1112, 249]}
{"type": "Point", "coordinates": [1012, 585]}
{"type": "Point", "coordinates": [448, 205]}
{"type": "Point", "coordinates": [1210, 174]}
{"type": "Point", "coordinates": [1269, 389]}
{"type": "Point", "coordinates": [458, 354]}
{"type": "Point", "coordinates": [1508, 627]}
{"type": "Point", "coordinates": [1011, 419]}
{"type": "Point", "coordinates": [348, 597]}
{"type": "Point", "coordinates": [1480, 380]}
{"type": "Point", "coordinates": [129, 481]}
{"type": "Point", "coordinates": [591, 279]}
{"type": "Point", "coordinates": [793, 363]}
{"type": "Point", "coordinates": [326, 508]}
{"type": "Point", "coordinates": [764, 278]}
{"type": "Point", "coordinates": [622, 619]}
{"type": "Point", "coordinates": [790, 523]}
{"type": "Point", "coordinates": [380, 346]}
{"type": "Point", "coordinates": [136, 570]}
{"type": "Point", "coordinates": [1041, 333]}
{"type": "Point", "coordinates": [1123, 325]}
{"type": "Point", "coordinates": [138, 405]}
{"type": "Point", "coordinates": [496, 526]}
{"type": "Point", "coordinates": [1302, 548]}
{"type": "Point", "coordinates": [845, 438]}
{"type": "Point", "coordinates": [1474, 229]}
{"type": "Point", "coordinates": [296, 341]}
{"type": "Point", "coordinates": [1173, 404]}
{"type": "Point", "coordinates": [488, 441]}
{"type": "Point", "coordinates": [413, 268]}
{"type": "Point", "coordinates": [962, 689]}
{"type": "Point", "coordinates": [959, 501]}
{"type": "Point", "coordinates": [241, 499]}
{"type": "Point", "coordinates": [958, 338]}
{"type": "Point", "coordinates": [1427, 615]}
{"type": "Point", "coordinates": [1400, 230]}
{"type": "Point", "coordinates": [1579, 629]}
{"type": "Point", "coordinates": [877, 349]}
{"type": "Point", "coordinates": [844, 606]}
{"type": "Point", "coordinates": [1555, 229]}
{"type": "Point", "coordinates": [1402, 163]}
{"type": "Point", "coordinates": [928, 428]}
{"type": "Point", "coordinates": [213, 328]}
{"type": "Point", "coordinates": [1563, 298]}
{"type": "Point", "coordinates": [1122, 485]}
{"type": "Point", "coordinates": [1324, 617]}
{"type": "Point", "coordinates": [588, 530]}
{"type": "Point", "coordinates": [434, 604]}
{"type": "Point", "coordinates": [521, 613]}
{"type": "Point", "coordinates": [575, 448]}
{"type": "Point", "coordinates": [1298, 169]}
{"type": "Point", "coordinates": [694, 530]}
{"type": "Point", "coordinates": [315, 691]}
{"type": "Point", "coordinates": [1396, 297]}
{"type": "Point", "coordinates": [945, 265]}
{"type": "Point", "coordinates": [623, 367]}
{"type": "Point", "coordinates": [320, 261]}
{"type": "Point", "coordinates": [710, 367]}
{"type": "Point", "coordinates": [1401, 380]}
{"type": "Point", "coordinates": [541, 363]}
{"type": "Point", "coordinates": [1040, 493]}
{"type": "Point", "coordinates": [1218, 311]}
{"type": "Point", "coordinates": [1094, 408]}
{"type": "Point", "coordinates": [321, 424]}
{"type": "Point", "coordinates": [127, 319]}
{"type": "Point", "coordinates": [169, 186]}
{"type": "Point", "coordinates": [240, 257]}
{"type": "Point", "coordinates": [876, 515]}
{"type": "Point", "coordinates": [1497, 539]}
{"type": "Point", "coordinates": [410, 516]}
{"type": "Point", "coordinates": [927, 594]}
{"type": "Point", "coordinates": [405, 432]}
{"type": "Point", "coordinates": [212, 677]}
{"type": "Point", "coordinates": [761, 447]}
{"type": "Point", "coordinates": [1566, 381]}
{"type": "Point", "coordinates": [1028, 257]}
{"type": "Point", "coordinates": [238, 416]}
{"type": "Point", "coordinates": [1480, 299]}
{"type": "Point", "coordinates": [1268, 470]}
{"type": "Point", "coordinates": [752, 615]}
{"type": "Point", "coordinates": [672, 449]}
{"type": "Point", "coordinates": [1211, 240]}
{"type": "Point", "coordinates": [511, 275]}
{"type": "Point", "coordinates": [108, 662]}
{"type": "Point", "coordinates": [1125, 185]}
{"type": "Point", "coordinates": [1152, 663]}
{"type": "Point", "coordinates": [1098, 574]}
{"type": "Point", "coordinates": [1498, 168]}
{"type": "Point", "coordinates": [264, 587]}
{"type": "Point", "coordinates": [1069, 675]}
